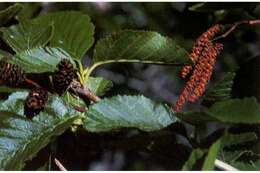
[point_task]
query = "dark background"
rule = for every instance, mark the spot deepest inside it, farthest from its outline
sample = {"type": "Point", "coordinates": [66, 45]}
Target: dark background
{"type": "Point", "coordinates": [130, 149]}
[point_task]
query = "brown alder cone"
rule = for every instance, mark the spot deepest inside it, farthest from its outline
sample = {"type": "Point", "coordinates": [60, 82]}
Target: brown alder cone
{"type": "Point", "coordinates": [195, 87]}
{"type": "Point", "coordinates": [199, 45]}
{"type": "Point", "coordinates": [63, 76]}
{"type": "Point", "coordinates": [10, 74]}
{"type": "Point", "coordinates": [35, 102]}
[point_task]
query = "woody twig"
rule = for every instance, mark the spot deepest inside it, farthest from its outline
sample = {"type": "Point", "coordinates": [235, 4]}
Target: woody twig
{"type": "Point", "coordinates": [80, 109]}
{"type": "Point", "coordinates": [30, 82]}
{"type": "Point", "coordinates": [235, 25]}
{"type": "Point", "coordinates": [81, 90]}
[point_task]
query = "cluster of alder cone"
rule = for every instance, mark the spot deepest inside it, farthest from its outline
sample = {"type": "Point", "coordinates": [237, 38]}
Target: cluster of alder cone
{"type": "Point", "coordinates": [13, 76]}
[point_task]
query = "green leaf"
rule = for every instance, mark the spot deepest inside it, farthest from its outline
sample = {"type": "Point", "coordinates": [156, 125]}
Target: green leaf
{"type": "Point", "coordinates": [140, 47]}
{"type": "Point", "coordinates": [21, 138]}
{"type": "Point", "coordinates": [127, 112]}
{"type": "Point", "coordinates": [236, 139]}
{"type": "Point", "coordinates": [195, 155]}
{"type": "Point", "coordinates": [221, 90]}
{"type": "Point", "coordinates": [234, 111]}
{"type": "Point", "coordinates": [209, 162]}
{"type": "Point", "coordinates": [241, 157]}
{"type": "Point", "coordinates": [27, 35]}
{"type": "Point", "coordinates": [233, 159]}
{"type": "Point", "coordinates": [98, 85]}
{"type": "Point", "coordinates": [40, 60]}
{"type": "Point", "coordinates": [243, 111]}
{"type": "Point", "coordinates": [74, 100]}
{"type": "Point", "coordinates": [208, 157]}
{"type": "Point", "coordinates": [230, 156]}
{"type": "Point", "coordinates": [251, 166]}
{"type": "Point", "coordinates": [73, 31]}
{"type": "Point", "coordinates": [7, 14]}
{"type": "Point", "coordinates": [6, 89]}
{"type": "Point", "coordinates": [195, 118]}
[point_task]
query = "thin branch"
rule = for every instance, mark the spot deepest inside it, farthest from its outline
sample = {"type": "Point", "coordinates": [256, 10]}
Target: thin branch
{"type": "Point", "coordinates": [77, 88]}
{"type": "Point", "coordinates": [80, 109]}
{"type": "Point", "coordinates": [61, 167]}
{"type": "Point", "coordinates": [235, 25]}
{"type": "Point", "coordinates": [253, 22]}
{"type": "Point", "coordinates": [223, 166]}
{"type": "Point", "coordinates": [32, 83]}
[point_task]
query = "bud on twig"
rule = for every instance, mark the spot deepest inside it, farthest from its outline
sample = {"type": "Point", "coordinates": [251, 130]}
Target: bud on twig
{"type": "Point", "coordinates": [81, 90]}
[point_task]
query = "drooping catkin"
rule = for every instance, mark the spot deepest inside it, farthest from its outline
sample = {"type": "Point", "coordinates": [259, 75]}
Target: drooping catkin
{"type": "Point", "coordinates": [199, 45]}
{"type": "Point", "coordinates": [207, 69]}
{"type": "Point", "coordinates": [196, 85]}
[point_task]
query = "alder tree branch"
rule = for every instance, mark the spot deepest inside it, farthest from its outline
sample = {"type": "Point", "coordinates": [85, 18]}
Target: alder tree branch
{"type": "Point", "coordinates": [34, 84]}
{"type": "Point", "coordinates": [30, 82]}
{"type": "Point", "coordinates": [235, 25]}
{"type": "Point", "coordinates": [81, 90]}
{"type": "Point", "coordinates": [80, 109]}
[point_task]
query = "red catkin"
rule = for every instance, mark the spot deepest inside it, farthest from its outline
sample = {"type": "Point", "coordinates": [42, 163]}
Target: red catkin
{"type": "Point", "coordinates": [199, 45]}
{"type": "Point", "coordinates": [207, 69]}
{"type": "Point", "coordinates": [196, 85]}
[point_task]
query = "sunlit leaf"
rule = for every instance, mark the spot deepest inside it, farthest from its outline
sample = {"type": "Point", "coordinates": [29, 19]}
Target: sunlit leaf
{"type": "Point", "coordinates": [27, 35]}
{"type": "Point", "coordinates": [73, 31]}
{"type": "Point", "coordinates": [140, 47]}
{"type": "Point", "coordinates": [40, 60]}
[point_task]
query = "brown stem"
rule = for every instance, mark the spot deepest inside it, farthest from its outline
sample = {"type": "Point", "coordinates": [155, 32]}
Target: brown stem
{"type": "Point", "coordinates": [80, 109]}
{"type": "Point", "coordinates": [253, 22]}
{"type": "Point", "coordinates": [61, 167]}
{"type": "Point", "coordinates": [83, 91]}
{"type": "Point", "coordinates": [32, 83]}
{"type": "Point", "coordinates": [235, 25]}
